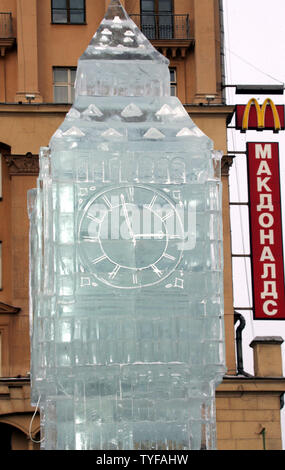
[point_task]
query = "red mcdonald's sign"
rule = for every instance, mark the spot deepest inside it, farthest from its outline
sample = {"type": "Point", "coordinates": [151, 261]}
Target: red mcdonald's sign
{"type": "Point", "coordinates": [266, 231]}
{"type": "Point", "coordinates": [252, 116]}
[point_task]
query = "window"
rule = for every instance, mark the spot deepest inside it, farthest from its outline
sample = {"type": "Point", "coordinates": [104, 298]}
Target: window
{"type": "Point", "coordinates": [68, 11]}
{"type": "Point", "coordinates": [63, 84]}
{"type": "Point", "coordinates": [173, 81]}
{"type": "Point", "coordinates": [0, 355]}
{"type": "Point", "coordinates": [157, 19]}
{"type": "Point", "coordinates": [0, 177]}
{"type": "Point", "coordinates": [0, 265]}
{"type": "Point", "coordinates": [156, 6]}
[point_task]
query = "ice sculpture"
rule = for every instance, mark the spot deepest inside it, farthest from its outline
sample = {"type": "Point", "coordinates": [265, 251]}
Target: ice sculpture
{"type": "Point", "coordinates": [126, 260]}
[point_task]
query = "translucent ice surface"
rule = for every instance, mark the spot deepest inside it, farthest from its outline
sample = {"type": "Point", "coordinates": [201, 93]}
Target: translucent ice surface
{"type": "Point", "coordinates": [126, 264]}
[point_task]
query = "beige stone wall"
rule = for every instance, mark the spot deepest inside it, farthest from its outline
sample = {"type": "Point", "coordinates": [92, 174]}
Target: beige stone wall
{"type": "Point", "coordinates": [43, 45]}
{"type": "Point", "coordinates": [242, 417]}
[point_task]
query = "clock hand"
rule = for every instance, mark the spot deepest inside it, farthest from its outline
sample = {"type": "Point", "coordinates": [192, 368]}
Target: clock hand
{"type": "Point", "coordinates": [126, 215]}
{"type": "Point", "coordinates": [160, 236]}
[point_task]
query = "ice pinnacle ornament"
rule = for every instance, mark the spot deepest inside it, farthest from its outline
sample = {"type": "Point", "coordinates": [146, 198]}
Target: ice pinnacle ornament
{"type": "Point", "coordinates": [126, 271]}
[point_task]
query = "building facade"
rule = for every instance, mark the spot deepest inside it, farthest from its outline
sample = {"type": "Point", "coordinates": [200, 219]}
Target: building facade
{"type": "Point", "coordinates": [40, 43]}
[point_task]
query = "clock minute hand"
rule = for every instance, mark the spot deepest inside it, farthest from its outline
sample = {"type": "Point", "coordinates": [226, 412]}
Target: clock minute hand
{"type": "Point", "coordinates": [126, 215]}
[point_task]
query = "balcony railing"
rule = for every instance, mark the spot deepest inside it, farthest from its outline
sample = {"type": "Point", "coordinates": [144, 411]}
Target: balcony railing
{"type": "Point", "coordinates": [6, 30]}
{"type": "Point", "coordinates": [163, 26]}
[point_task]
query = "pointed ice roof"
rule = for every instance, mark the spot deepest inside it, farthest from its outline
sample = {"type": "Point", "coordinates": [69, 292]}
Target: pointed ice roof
{"type": "Point", "coordinates": [120, 61]}
{"type": "Point", "coordinates": [119, 38]}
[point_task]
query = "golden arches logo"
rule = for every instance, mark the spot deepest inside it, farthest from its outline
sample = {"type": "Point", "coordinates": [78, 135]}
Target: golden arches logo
{"type": "Point", "coordinates": [261, 111]}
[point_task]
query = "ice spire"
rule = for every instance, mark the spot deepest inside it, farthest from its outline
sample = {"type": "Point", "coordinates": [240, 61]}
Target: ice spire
{"type": "Point", "coordinates": [118, 39]}
{"type": "Point", "coordinates": [119, 35]}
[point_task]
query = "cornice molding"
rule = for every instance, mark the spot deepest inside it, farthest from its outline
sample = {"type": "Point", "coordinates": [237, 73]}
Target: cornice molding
{"type": "Point", "coordinates": [37, 108]}
{"type": "Point", "coordinates": [227, 162]}
{"type": "Point", "coordinates": [172, 48]}
{"type": "Point", "coordinates": [23, 165]}
{"type": "Point", "coordinates": [6, 309]}
{"type": "Point", "coordinates": [240, 385]}
{"type": "Point", "coordinates": [6, 43]}
{"type": "Point", "coordinates": [208, 110]}
{"type": "Point", "coordinates": [4, 148]}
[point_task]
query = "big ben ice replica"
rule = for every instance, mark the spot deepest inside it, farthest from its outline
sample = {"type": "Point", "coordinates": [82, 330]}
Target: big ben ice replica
{"type": "Point", "coordinates": [126, 260]}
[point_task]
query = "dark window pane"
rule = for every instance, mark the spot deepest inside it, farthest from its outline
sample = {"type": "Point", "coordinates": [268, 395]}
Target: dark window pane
{"type": "Point", "coordinates": [61, 94]}
{"type": "Point", "coordinates": [0, 270]}
{"type": "Point", "coordinates": [165, 27]}
{"type": "Point", "coordinates": [165, 6]}
{"type": "Point", "coordinates": [60, 75]}
{"type": "Point", "coordinates": [147, 5]}
{"type": "Point", "coordinates": [173, 84]}
{"type": "Point", "coordinates": [59, 4]}
{"type": "Point", "coordinates": [59, 16]}
{"type": "Point", "coordinates": [76, 16]}
{"type": "Point", "coordinates": [148, 26]}
{"type": "Point", "coordinates": [165, 20]}
{"type": "Point", "coordinates": [76, 4]}
{"type": "Point", "coordinates": [72, 76]}
{"type": "Point", "coordinates": [148, 20]}
{"type": "Point", "coordinates": [172, 75]}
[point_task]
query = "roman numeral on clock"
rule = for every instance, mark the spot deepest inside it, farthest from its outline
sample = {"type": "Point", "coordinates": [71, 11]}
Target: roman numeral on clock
{"type": "Point", "coordinates": [156, 270]}
{"type": "Point", "coordinates": [98, 260]}
{"type": "Point", "coordinates": [166, 255]}
{"type": "Point", "coordinates": [94, 219]}
{"type": "Point", "coordinates": [91, 239]}
{"type": "Point", "coordinates": [107, 202]}
{"type": "Point", "coordinates": [167, 216]}
{"type": "Point", "coordinates": [114, 273]}
{"type": "Point", "coordinates": [131, 193]}
{"type": "Point", "coordinates": [151, 204]}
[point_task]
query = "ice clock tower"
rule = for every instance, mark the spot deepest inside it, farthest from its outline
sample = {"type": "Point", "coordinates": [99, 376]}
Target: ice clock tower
{"type": "Point", "coordinates": [126, 263]}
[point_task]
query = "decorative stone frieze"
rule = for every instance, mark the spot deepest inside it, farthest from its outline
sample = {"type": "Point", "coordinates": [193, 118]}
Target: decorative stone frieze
{"type": "Point", "coordinates": [20, 165]}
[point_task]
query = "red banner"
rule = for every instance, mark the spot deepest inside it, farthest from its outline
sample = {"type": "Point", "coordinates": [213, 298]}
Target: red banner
{"type": "Point", "coordinates": [252, 116]}
{"type": "Point", "coordinates": [266, 231]}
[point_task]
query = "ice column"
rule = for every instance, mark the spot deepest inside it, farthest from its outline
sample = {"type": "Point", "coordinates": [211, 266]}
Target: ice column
{"type": "Point", "coordinates": [126, 280]}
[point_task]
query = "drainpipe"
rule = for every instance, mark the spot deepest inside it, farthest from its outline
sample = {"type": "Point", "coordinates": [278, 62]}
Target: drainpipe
{"type": "Point", "coordinates": [282, 401]}
{"type": "Point", "coordinates": [263, 433]}
{"type": "Point", "coordinates": [239, 318]}
{"type": "Point", "coordinates": [222, 50]}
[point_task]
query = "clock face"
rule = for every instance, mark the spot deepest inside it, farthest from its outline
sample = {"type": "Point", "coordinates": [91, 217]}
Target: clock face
{"type": "Point", "coordinates": [130, 237]}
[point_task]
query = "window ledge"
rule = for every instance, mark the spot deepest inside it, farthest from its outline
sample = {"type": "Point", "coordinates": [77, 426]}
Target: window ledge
{"type": "Point", "coordinates": [69, 24]}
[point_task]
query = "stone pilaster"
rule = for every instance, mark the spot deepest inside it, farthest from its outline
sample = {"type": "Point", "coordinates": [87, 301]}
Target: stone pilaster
{"type": "Point", "coordinates": [27, 41]}
{"type": "Point", "coordinates": [205, 51]}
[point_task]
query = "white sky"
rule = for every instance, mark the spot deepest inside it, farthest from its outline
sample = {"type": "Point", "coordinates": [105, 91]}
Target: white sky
{"type": "Point", "coordinates": [255, 54]}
